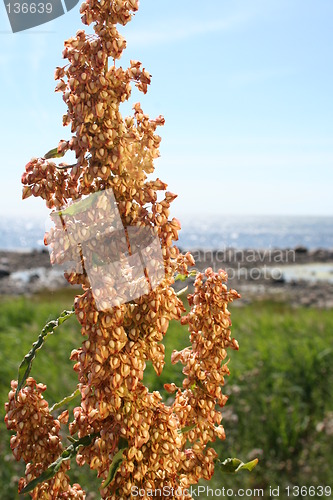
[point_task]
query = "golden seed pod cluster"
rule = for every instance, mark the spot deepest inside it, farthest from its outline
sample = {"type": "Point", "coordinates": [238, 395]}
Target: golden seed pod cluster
{"type": "Point", "coordinates": [117, 153]}
{"type": "Point", "coordinates": [37, 441]}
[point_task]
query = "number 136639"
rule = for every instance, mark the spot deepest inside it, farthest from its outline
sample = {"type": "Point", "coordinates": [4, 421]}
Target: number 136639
{"type": "Point", "coordinates": [29, 8]}
{"type": "Point", "coordinates": [309, 491]}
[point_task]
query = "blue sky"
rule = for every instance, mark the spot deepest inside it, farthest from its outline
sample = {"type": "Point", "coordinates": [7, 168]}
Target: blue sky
{"type": "Point", "coordinates": [245, 88]}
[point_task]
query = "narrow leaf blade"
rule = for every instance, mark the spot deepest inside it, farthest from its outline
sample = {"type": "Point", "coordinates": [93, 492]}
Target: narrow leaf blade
{"type": "Point", "coordinates": [248, 466]}
{"type": "Point", "coordinates": [66, 400]}
{"type": "Point", "coordinates": [183, 277]}
{"type": "Point", "coordinates": [186, 429]}
{"type": "Point", "coordinates": [53, 153]}
{"type": "Point", "coordinates": [51, 471]}
{"type": "Point", "coordinates": [45, 476]}
{"type": "Point", "coordinates": [78, 206]}
{"type": "Point", "coordinates": [116, 462]}
{"type": "Point", "coordinates": [26, 364]}
{"type": "Point", "coordinates": [234, 465]}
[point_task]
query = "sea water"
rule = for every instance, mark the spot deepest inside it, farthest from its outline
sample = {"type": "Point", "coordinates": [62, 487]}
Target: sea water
{"type": "Point", "coordinates": [204, 232]}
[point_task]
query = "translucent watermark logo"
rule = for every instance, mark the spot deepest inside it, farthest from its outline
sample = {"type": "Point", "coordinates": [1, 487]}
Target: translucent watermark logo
{"type": "Point", "coordinates": [248, 265]}
{"type": "Point", "coordinates": [248, 257]}
{"type": "Point", "coordinates": [196, 492]}
{"type": "Point", "coordinates": [120, 263]}
{"type": "Point", "coordinates": [26, 14]}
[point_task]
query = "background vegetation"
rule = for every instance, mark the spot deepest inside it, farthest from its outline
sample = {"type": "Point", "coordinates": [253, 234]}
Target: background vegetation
{"type": "Point", "coordinates": [280, 407]}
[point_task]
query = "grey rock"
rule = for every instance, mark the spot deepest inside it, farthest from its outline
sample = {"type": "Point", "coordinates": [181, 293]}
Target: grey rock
{"type": "Point", "coordinates": [4, 272]}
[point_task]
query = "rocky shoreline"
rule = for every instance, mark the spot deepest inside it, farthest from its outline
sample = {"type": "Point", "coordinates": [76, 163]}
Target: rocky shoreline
{"type": "Point", "coordinates": [300, 276]}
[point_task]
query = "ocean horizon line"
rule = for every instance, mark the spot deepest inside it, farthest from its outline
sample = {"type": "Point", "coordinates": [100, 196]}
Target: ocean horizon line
{"type": "Point", "coordinates": [202, 232]}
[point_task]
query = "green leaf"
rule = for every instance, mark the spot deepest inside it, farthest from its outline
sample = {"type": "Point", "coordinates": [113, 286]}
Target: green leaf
{"type": "Point", "coordinates": [45, 476]}
{"type": "Point", "coordinates": [183, 277]}
{"type": "Point", "coordinates": [78, 206]}
{"type": "Point", "coordinates": [234, 465]}
{"type": "Point", "coordinates": [67, 454]}
{"type": "Point", "coordinates": [66, 400]}
{"type": "Point", "coordinates": [116, 462]}
{"type": "Point", "coordinates": [53, 153]}
{"type": "Point", "coordinates": [186, 429]}
{"type": "Point", "coordinates": [26, 364]}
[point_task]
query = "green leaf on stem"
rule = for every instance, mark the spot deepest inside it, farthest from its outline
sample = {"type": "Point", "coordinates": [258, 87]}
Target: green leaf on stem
{"type": "Point", "coordinates": [77, 207]}
{"type": "Point", "coordinates": [66, 400]}
{"type": "Point", "coordinates": [116, 462]}
{"type": "Point", "coordinates": [26, 364]}
{"type": "Point", "coordinates": [234, 465]}
{"type": "Point", "coordinates": [53, 153]}
{"type": "Point", "coordinates": [186, 429]}
{"type": "Point", "coordinates": [67, 454]}
{"type": "Point", "coordinates": [183, 277]}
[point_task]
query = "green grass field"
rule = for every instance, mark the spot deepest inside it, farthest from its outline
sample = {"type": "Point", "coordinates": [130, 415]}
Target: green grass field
{"type": "Point", "coordinates": [281, 400]}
